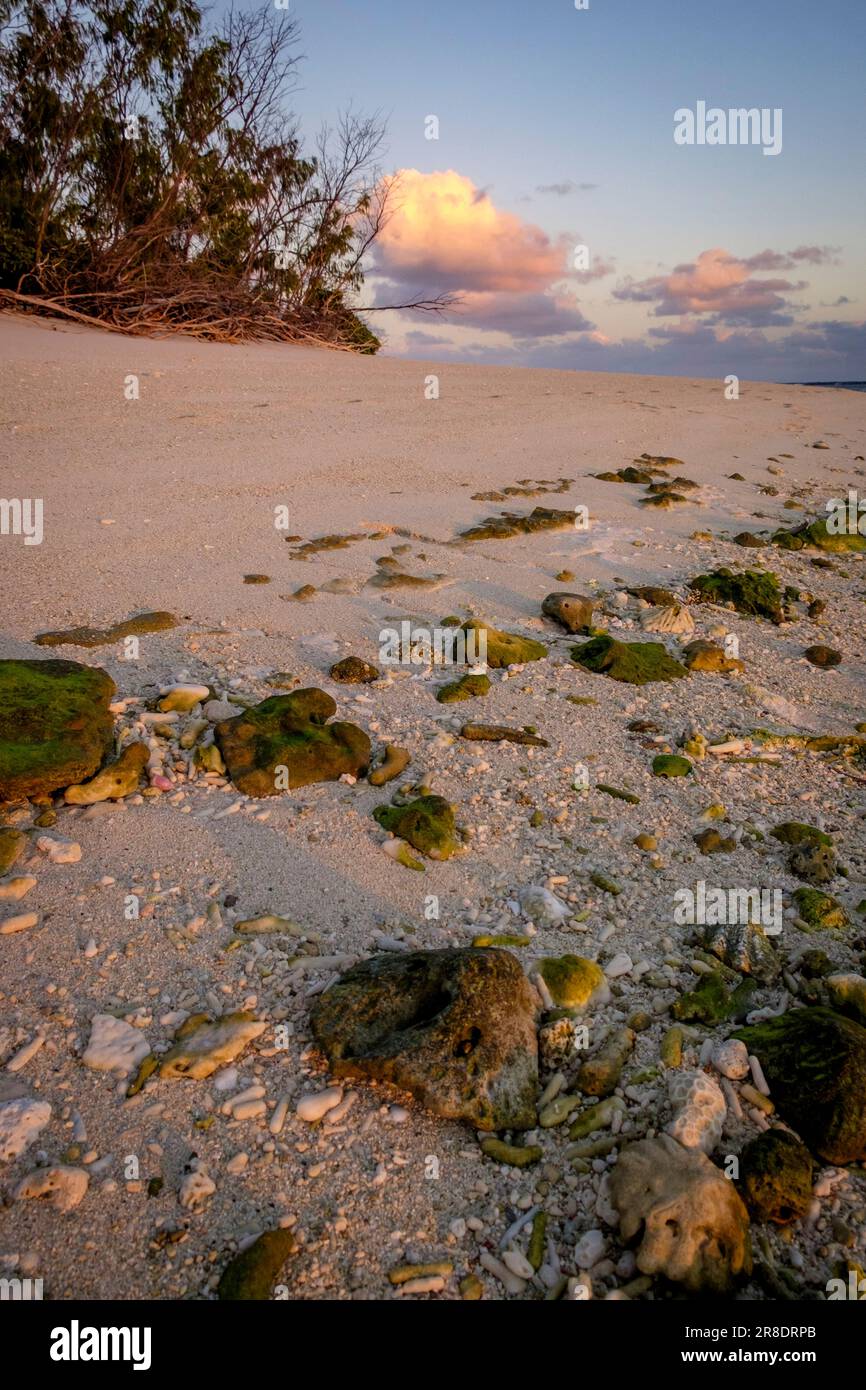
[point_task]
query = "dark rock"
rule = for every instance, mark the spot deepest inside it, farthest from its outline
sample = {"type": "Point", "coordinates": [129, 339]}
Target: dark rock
{"type": "Point", "coordinates": [753, 592]}
{"type": "Point", "coordinates": [819, 655]}
{"type": "Point", "coordinates": [500, 733]}
{"type": "Point", "coordinates": [102, 637]}
{"type": "Point", "coordinates": [454, 1027]}
{"type": "Point", "coordinates": [468, 687]}
{"type": "Point", "coordinates": [815, 1064]}
{"type": "Point", "coordinates": [353, 671]}
{"type": "Point", "coordinates": [290, 732]}
{"type": "Point", "coordinates": [55, 725]}
{"type": "Point", "coordinates": [251, 1274]}
{"type": "Point", "coordinates": [636, 663]}
{"type": "Point", "coordinates": [750, 540]}
{"type": "Point", "coordinates": [427, 823]}
{"type": "Point", "coordinates": [776, 1173]}
{"type": "Point", "coordinates": [571, 611]}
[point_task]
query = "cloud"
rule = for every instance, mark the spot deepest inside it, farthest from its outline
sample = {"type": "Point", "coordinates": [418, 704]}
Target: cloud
{"type": "Point", "coordinates": [445, 235]}
{"type": "Point", "coordinates": [722, 287]}
{"type": "Point", "coordinates": [789, 260]}
{"type": "Point", "coordinates": [564, 189]}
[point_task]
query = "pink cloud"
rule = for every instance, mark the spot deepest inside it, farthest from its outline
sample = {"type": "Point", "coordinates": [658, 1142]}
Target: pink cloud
{"type": "Point", "coordinates": [717, 284]}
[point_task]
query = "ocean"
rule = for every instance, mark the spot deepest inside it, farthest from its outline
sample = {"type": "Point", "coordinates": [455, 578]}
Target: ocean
{"type": "Point", "coordinates": [840, 385]}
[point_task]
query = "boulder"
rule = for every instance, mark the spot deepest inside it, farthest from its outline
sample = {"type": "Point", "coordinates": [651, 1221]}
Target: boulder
{"type": "Point", "coordinates": [286, 742]}
{"type": "Point", "coordinates": [55, 725]}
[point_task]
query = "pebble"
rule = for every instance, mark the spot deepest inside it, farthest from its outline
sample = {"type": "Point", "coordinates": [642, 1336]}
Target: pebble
{"type": "Point", "coordinates": [21, 922]}
{"type": "Point", "coordinates": [59, 851]}
{"type": "Point", "coordinates": [15, 888]}
{"type": "Point", "coordinates": [315, 1107]}
{"type": "Point", "coordinates": [589, 1249]}
{"type": "Point", "coordinates": [620, 964]}
{"type": "Point", "coordinates": [114, 1045]}
{"type": "Point", "coordinates": [21, 1120]}
{"type": "Point", "coordinates": [731, 1059]}
{"type": "Point", "coordinates": [59, 1187]}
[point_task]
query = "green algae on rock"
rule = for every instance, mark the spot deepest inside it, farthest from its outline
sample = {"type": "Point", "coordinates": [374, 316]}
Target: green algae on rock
{"type": "Point", "coordinates": [427, 824]}
{"type": "Point", "coordinates": [776, 1173]}
{"type": "Point", "coordinates": [792, 832]}
{"type": "Point", "coordinates": [670, 765]}
{"type": "Point", "coordinates": [503, 648]}
{"type": "Point", "coordinates": [251, 1274]}
{"type": "Point", "coordinates": [455, 1027]}
{"type": "Point", "coordinates": [513, 524]}
{"type": "Point", "coordinates": [55, 725]}
{"type": "Point", "coordinates": [573, 982]}
{"type": "Point", "coordinates": [286, 742]}
{"type": "Point", "coordinates": [513, 1155]}
{"type": "Point", "coordinates": [352, 670]}
{"type": "Point", "coordinates": [138, 625]}
{"type": "Point", "coordinates": [817, 534]}
{"type": "Point", "coordinates": [820, 911]}
{"type": "Point", "coordinates": [468, 687]}
{"type": "Point", "coordinates": [203, 1045]}
{"type": "Point", "coordinates": [709, 1002]}
{"type": "Point", "coordinates": [754, 592]}
{"type": "Point", "coordinates": [815, 1064]}
{"type": "Point", "coordinates": [636, 663]}
{"type": "Point", "coordinates": [501, 733]}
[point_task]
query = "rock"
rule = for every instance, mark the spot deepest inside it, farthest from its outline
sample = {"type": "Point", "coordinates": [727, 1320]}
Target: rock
{"type": "Point", "coordinates": [114, 1045]}
{"type": "Point", "coordinates": [22, 921]}
{"type": "Point", "coordinates": [708, 1003]}
{"type": "Point", "coordinates": [12, 845]}
{"type": "Point", "coordinates": [670, 765]}
{"type": "Point", "coordinates": [541, 906]}
{"type": "Point", "coordinates": [820, 911]}
{"type": "Point", "coordinates": [792, 832]}
{"type": "Point", "coordinates": [693, 1227]}
{"type": "Point", "coordinates": [599, 1076]}
{"type": "Point", "coordinates": [571, 611]}
{"type": "Point", "coordinates": [672, 618]}
{"type": "Point", "coordinates": [701, 655]}
{"type": "Point", "coordinates": [500, 733]}
{"type": "Point", "coordinates": [353, 671]}
{"type": "Point", "coordinates": [183, 698]}
{"type": "Point", "coordinates": [710, 841]}
{"type": "Point", "coordinates": [731, 1059]}
{"type": "Point", "coordinates": [216, 710]}
{"type": "Point", "coordinates": [21, 1120]}
{"type": "Point", "coordinates": [573, 982]}
{"type": "Point", "coordinates": [819, 655]}
{"type": "Point", "coordinates": [257, 579]}
{"type": "Point", "coordinates": [286, 742]}
{"type": "Point", "coordinates": [205, 1045]}
{"type": "Point", "coordinates": [848, 995]}
{"type": "Point", "coordinates": [589, 1249]}
{"type": "Point", "coordinates": [636, 663]}
{"type": "Point", "coordinates": [396, 760]}
{"type": "Point", "coordinates": [196, 1187]}
{"type": "Point", "coordinates": [813, 863]}
{"type": "Point", "coordinates": [315, 1107]}
{"type": "Point", "coordinates": [815, 1064]}
{"type": "Point", "coordinates": [508, 524]}
{"type": "Point", "coordinates": [117, 780]}
{"type": "Point", "coordinates": [251, 1274]}
{"type": "Point", "coordinates": [816, 534]}
{"type": "Point", "coordinates": [55, 725]}
{"type": "Point", "coordinates": [663, 500]}
{"type": "Point", "coordinates": [749, 539]}
{"type": "Point", "coordinates": [14, 889]}
{"type": "Point", "coordinates": [776, 1173]}
{"type": "Point", "coordinates": [59, 1187]}
{"type": "Point", "coordinates": [658, 598]}
{"type": "Point", "coordinates": [646, 842]}
{"type": "Point", "coordinates": [512, 1155]}
{"type": "Point", "coordinates": [427, 824]}
{"type": "Point", "coordinates": [138, 625]}
{"type": "Point", "coordinates": [503, 648]}
{"type": "Point", "coordinates": [59, 851]}
{"type": "Point", "coordinates": [468, 687]}
{"type": "Point", "coordinates": [454, 1027]}
{"type": "Point", "coordinates": [302, 595]}
{"type": "Point", "coordinates": [755, 592]}
{"type": "Point", "coordinates": [671, 1047]}
{"type": "Point", "coordinates": [744, 947]}
{"type": "Point", "coordinates": [699, 1110]}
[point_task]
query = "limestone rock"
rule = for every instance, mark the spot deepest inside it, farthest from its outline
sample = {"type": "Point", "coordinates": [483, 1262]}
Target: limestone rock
{"type": "Point", "coordinates": [204, 1045]}
{"type": "Point", "coordinates": [636, 663]}
{"type": "Point", "coordinates": [21, 1120]}
{"type": "Point", "coordinates": [115, 781]}
{"type": "Point", "coordinates": [694, 1227]}
{"type": "Point", "coordinates": [699, 1110]}
{"type": "Point", "coordinates": [60, 1187]}
{"type": "Point", "coordinates": [672, 618]}
{"type": "Point", "coordinates": [573, 982]}
{"type": "Point", "coordinates": [454, 1027]}
{"type": "Point", "coordinates": [353, 671]}
{"type": "Point", "coordinates": [427, 824]}
{"type": "Point", "coordinates": [55, 725]}
{"type": "Point", "coordinates": [571, 611]}
{"type": "Point", "coordinates": [290, 732]}
{"type": "Point", "coordinates": [114, 1045]}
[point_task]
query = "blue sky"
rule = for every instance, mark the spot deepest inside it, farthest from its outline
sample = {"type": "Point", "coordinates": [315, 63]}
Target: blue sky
{"type": "Point", "coordinates": [535, 96]}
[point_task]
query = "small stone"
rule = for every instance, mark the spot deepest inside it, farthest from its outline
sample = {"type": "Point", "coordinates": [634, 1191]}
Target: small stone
{"type": "Point", "coordinates": [21, 1120]}
{"type": "Point", "coordinates": [822, 656]}
{"type": "Point", "coordinates": [353, 671]}
{"type": "Point", "coordinates": [776, 1173]}
{"type": "Point", "coordinates": [315, 1107]}
{"type": "Point", "coordinates": [59, 1187]}
{"type": "Point", "coordinates": [204, 1046]}
{"type": "Point", "coordinates": [731, 1059]}
{"type": "Point", "coordinates": [114, 1045]}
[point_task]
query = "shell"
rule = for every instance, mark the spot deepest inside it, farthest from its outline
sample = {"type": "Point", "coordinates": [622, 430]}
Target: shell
{"type": "Point", "coordinates": [672, 618]}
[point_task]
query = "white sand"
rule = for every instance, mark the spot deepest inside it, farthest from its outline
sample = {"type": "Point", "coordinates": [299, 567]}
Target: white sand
{"type": "Point", "coordinates": [189, 476]}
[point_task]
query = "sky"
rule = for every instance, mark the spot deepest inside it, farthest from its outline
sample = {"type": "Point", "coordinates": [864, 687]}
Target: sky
{"type": "Point", "coordinates": [556, 131]}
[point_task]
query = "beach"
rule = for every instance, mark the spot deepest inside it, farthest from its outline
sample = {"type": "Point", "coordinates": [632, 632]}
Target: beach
{"type": "Point", "coordinates": [189, 478]}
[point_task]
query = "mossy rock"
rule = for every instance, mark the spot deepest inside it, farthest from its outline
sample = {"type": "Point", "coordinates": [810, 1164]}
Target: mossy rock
{"type": "Point", "coordinates": [468, 687]}
{"type": "Point", "coordinates": [753, 592]}
{"type": "Point", "coordinates": [820, 911]}
{"type": "Point", "coordinates": [12, 845]}
{"type": "Point", "coordinates": [55, 725]}
{"type": "Point", "coordinates": [572, 981]}
{"type": "Point", "coordinates": [776, 1173]}
{"type": "Point", "coordinates": [815, 864]}
{"type": "Point", "coordinates": [427, 824]}
{"type": "Point", "coordinates": [708, 1003]}
{"type": "Point", "coordinates": [794, 832]}
{"type": "Point", "coordinates": [286, 742]}
{"type": "Point", "coordinates": [250, 1276]}
{"type": "Point", "coordinates": [139, 625]}
{"type": "Point", "coordinates": [671, 765]}
{"type": "Point", "coordinates": [505, 648]}
{"type": "Point", "coordinates": [513, 524]}
{"type": "Point", "coordinates": [353, 670]}
{"type": "Point", "coordinates": [636, 663]}
{"type": "Point", "coordinates": [815, 1064]}
{"type": "Point", "coordinates": [815, 533]}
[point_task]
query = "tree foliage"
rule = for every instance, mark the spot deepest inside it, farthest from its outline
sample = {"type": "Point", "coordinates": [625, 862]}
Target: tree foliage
{"type": "Point", "coordinates": [151, 175]}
